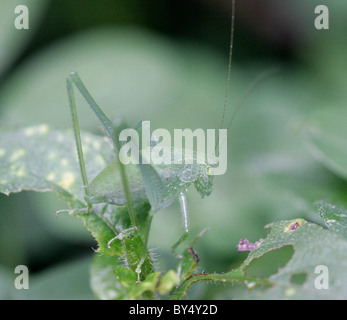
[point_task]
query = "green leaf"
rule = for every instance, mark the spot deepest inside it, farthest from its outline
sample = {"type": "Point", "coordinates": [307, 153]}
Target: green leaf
{"type": "Point", "coordinates": [189, 260]}
{"type": "Point", "coordinates": [107, 221]}
{"type": "Point", "coordinates": [103, 280]}
{"type": "Point", "coordinates": [326, 135]}
{"type": "Point", "coordinates": [334, 217]}
{"type": "Point", "coordinates": [313, 246]}
{"type": "Point", "coordinates": [135, 289]}
{"type": "Point", "coordinates": [39, 158]}
{"type": "Point", "coordinates": [126, 277]}
{"type": "Point", "coordinates": [187, 264]}
{"type": "Point", "coordinates": [110, 279]}
{"type": "Point", "coordinates": [167, 282]}
{"type": "Point", "coordinates": [134, 253]}
{"type": "Point", "coordinates": [234, 276]}
{"type": "Point", "coordinates": [103, 230]}
{"type": "Point", "coordinates": [147, 286]}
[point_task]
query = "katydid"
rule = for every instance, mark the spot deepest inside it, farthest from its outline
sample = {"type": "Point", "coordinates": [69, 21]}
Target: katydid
{"type": "Point", "coordinates": [131, 185]}
{"type": "Point", "coordinates": [124, 185]}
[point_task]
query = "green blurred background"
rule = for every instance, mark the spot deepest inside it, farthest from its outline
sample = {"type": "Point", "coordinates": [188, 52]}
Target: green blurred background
{"type": "Point", "coordinates": [167, 62]}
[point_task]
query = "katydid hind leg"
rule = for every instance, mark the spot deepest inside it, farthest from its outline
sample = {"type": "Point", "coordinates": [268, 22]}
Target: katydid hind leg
{"type": "Point", "coordinates": [111, 131]}
{"type": "Point", "coordinates": [74, 116]}
{"type": "Point", "coordinates": [106, 122]}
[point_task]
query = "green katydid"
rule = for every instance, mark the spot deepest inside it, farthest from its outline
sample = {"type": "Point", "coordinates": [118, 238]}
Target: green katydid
{"type": "Point", "coordinates": [158, 184]}
{"type": "Point", "coordinates": [120, 184]}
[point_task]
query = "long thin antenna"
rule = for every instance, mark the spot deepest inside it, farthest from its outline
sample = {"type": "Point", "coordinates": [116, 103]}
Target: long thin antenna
{"type": "Point", "coordinates": [253, 85]}
{"type": "Point", "coordinates": [226, 99]}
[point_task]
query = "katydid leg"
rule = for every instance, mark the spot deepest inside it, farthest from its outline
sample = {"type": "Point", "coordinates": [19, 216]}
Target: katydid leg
{"type": "Point", "coordinates": [111, 131]}
{"type": "Point", "coordinates": [73, 110]}
{"type": "Point", "coordinates": [185, 221]}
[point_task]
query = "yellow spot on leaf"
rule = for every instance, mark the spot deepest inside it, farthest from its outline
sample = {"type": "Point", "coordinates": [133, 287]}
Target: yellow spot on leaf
{"type": "Point", "coordinates": [43, 129]}
{"type": "Point", "coordinates": [64, 162]}
{"type": "Point", "coordinates": [51, 176]}
{"type": "Point", "coordinates": [97, 145]}
{"type": "Point", "coordinates": [67, 180]}
{"type": "Point", "coordinates": [30, 131]}
{"type": "Point", "coordinates": [17, 154]}
{"type": "Point", "coordinates": [21, 172]}
{"type": "Point", "coordinates": [290, 292]}
{"type": "Point", "coordinates": [2, 152]}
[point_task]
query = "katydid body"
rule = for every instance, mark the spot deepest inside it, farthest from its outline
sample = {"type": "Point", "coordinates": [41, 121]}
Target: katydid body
{"type": "Point", "coordinates": [132, 185]}
{"type": "Point", "coordinates": [174, 178]}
